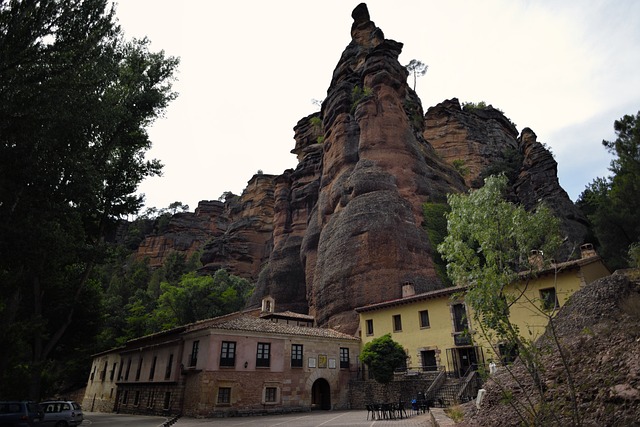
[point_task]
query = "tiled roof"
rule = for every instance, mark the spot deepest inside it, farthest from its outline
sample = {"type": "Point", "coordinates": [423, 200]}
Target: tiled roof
{"type": "Point", "coordinates": [243, 322]}
{"type": "Point", "coordinates": [417, 297]}
{"type": "Point", "coordinates": [289, 315]}
{"type": "Point", "coordinates": [576, 263]}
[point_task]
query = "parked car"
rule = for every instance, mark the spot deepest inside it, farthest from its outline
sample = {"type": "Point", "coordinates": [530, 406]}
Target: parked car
{"type": "Point", "coordinates": [61, 413]}
{"type": "Point", "coordinates": [20, 413]}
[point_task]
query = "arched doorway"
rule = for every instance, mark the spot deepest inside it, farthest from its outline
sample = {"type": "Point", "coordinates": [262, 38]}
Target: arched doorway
{"type": "Point", "coordinates": [320, 394]}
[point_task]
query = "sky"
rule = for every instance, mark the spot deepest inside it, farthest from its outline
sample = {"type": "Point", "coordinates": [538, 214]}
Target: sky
{"type": "Point", "coordinates": [250, 70]}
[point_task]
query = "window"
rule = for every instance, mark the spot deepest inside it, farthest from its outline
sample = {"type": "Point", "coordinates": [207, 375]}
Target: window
{"type": "Point", "coordinates": [508, 352]}
{"type": "Point", "coordinates": [460, 325]}
{"type": "Point", "coordinates": [139, 370]}
{"type": "Point", "coordinates": [167, 371]}
{"type": "Point", "coordinates": [262, 357]}
{"type": "Point", "coordinates": [424, 319]}
{"type": "Point", "coordinates": [167, 401]}
{"type": "Point", "coordinates": [103, 374]}
{"type": "Point", "coordinates": [120, 369]}
{"type": "Point", "coordinates": [126, 374]}
{"type": "Point", "coordinates": [369, 326]}
{"type": "Point", "coordinates": [549, 299]}
{"type": "Point", "coordinates": [93, 373]}
{"type": "Point", "coordinates": [136, 398]}
{"type": "Point", "coordinates": [152, 371]}
{"type": "Point", "coordinates": [228, 353]}
{"type": "Point", "coordinates": [125, 397]}
{"type": "Point", "coordinates": [150, 400]}
{"type": "Point", "coordinates": [296, 355]}
{"type": "Point", "coordinates": [429, 362]}
{"type": "Point", "coordinates": [113, 371]}
{"type": "Point", "coordinates": [344, 357]}
{"type": "Point", "coordinates": [397, 323]}
{"type": "Point", "coordinates": [193, 359]}
{"type": "Point", "coordinates": [224, 395]}
{"type": "Point", "coordinates": [271, 394]}
{"type": "Point", "coordinates": [459, 318]}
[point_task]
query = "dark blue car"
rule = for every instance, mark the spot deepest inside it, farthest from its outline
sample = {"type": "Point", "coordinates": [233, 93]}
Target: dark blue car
{"type": "Point", "coordinates": [20, 413]}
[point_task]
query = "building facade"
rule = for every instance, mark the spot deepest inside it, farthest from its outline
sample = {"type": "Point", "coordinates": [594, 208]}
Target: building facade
{"type": "Point", "coordinates": [437, 329]}
{"type": "Point", "coordinates": [230, 365]}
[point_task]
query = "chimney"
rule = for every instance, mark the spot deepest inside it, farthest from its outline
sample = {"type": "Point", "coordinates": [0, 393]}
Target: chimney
{"type": "Point", "coordinates": [536, 259]}
{"type": "Point", "coordinates": [587, 251]}
{"type": "Point", "coordinates": [408, 289]}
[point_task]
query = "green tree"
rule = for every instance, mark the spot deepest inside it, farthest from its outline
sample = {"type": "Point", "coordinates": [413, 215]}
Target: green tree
{"type": "Point", "coordinates": [487, 248]}
{"type": "Point", "coordinates": [417, 69]}
{"type": "Point", "coordinates": [199, 297]}
{"type": "Point", "coordinates": [383, 356]}
{"type": "Point", "coordinates": [75, 99]}
{"type": "Point", "coordinates": [612, 204]}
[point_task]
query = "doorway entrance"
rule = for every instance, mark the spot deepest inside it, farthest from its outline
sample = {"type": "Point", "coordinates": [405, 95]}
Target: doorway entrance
{"type": "Point", "coordinates": [321, 394]}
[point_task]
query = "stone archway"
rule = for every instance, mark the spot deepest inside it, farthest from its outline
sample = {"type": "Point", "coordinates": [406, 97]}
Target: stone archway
{"type": "Point", "coordinates": [321, 394]}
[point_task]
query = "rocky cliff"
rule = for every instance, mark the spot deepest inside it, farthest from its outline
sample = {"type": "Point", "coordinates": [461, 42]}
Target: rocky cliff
{"type": "Point", "coordinates": [346, 227]}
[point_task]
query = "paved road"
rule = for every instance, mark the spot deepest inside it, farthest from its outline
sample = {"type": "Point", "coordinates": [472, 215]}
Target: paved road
{"type": "Point", "coordinates": [99, 419]}
{"type": "Point", "coordinates": [355, 418]}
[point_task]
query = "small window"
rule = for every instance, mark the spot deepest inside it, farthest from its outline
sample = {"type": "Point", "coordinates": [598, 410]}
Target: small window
{"type": "Point", "coordinates": [139, 370]}
{"type": "Point", "coordinates": [167, 371]}
{"type": "Point", "coordinates": [424, 319]}
{"type": "Point", "coordinates": [125, 397]}
{"type": "Point", "coordinates": [344, 357]}
{"type": "Point", "coordinates": [549, 299]}
{"type": "Point", "coordinates": [224, 395]}
{"type": "Point", "coordinates": [167, 401]}
{"type": "Point", "coordinates": [152, 371]}
{"type": "Point", "coordinates": [271, 395]}
{"type": "Point", "coordinates": [460, 323]}
{"type": "Point", "coordinates": [150, 401]}
{"type": "Point", "coordinates": [263, 354]}
{"type": "Point", "coordinates": [193, 359]}
{"type": "Point", "coordinates": [397, 323]}
{"type": "Point", "coordinates": [369, 326]}
{"type": "Point", "coordinates": [126, 374]}
{"type": "Point", "coordinates": [508, 352]}
{"type": "Point", "coordinates": [228, 353]}
{"type": "Point", "coordinates": [296, 355]}
{"type": "Point", "coordinates": [136, 398]}
{"type": "Point", "coordinates": [103, 374]}
{"type": "Point", "coordinates": [112, 374]}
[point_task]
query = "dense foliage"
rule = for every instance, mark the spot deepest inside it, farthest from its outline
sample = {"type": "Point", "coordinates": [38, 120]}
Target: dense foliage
{"type": "Point", "coordinates": [383, 356]}
{"type": "Point", "coordinates": [488, 248]}
{"type": "Point", "coordinates": [612, 204]}
{"type": "Point", "coordinates": [435, 223]}
{"type": "Point", "coordinates": [75, 99]}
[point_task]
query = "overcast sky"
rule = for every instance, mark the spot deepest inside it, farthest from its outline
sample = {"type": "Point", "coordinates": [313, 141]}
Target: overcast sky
{"type": "Point", "coordinates": [251, 69]}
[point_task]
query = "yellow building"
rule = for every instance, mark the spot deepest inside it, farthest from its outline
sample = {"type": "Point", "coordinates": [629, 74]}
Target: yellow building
{"type": "Point", "coordinates": [437, 329]}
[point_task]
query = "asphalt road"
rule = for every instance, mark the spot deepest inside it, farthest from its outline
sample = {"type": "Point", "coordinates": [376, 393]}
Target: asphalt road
{"type": "Point", "coordinates": [354, 418]}
{"type": "Point", "coordinates": [99, 419]}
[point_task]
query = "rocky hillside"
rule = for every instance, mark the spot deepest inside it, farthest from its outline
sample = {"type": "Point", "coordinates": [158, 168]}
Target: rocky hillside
{"type": "Point", "coordinates": [346, 227]}
{"type": "Point", "coordinates": [599, 331]}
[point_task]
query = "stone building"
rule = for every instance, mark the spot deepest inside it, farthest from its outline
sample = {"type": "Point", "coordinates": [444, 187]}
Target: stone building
{"type": "Point", "coordinates": [236, 364]}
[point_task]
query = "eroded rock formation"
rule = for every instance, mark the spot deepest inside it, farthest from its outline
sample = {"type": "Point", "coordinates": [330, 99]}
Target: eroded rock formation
{"type": "Point", "coordinates": [346, 227]}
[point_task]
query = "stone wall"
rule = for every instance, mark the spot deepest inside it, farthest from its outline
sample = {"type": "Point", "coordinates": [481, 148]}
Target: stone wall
{"type": "Point", "coordinates": [363, 392]}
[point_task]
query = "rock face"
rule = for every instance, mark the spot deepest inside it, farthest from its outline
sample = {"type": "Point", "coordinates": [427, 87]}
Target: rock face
{"type": "Point", "coordinates": [346, 227]}
{"type": "Point", "coordinates": [365, 237]}
{"type": "Point", "coordinates": [234, 235]}
{"type": "Point", "coordinates": [482, 141]}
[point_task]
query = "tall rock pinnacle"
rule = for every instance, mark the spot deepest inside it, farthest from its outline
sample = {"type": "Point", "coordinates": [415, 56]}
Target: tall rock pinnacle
{"type": "Point", "coordinates": [365, 235]}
